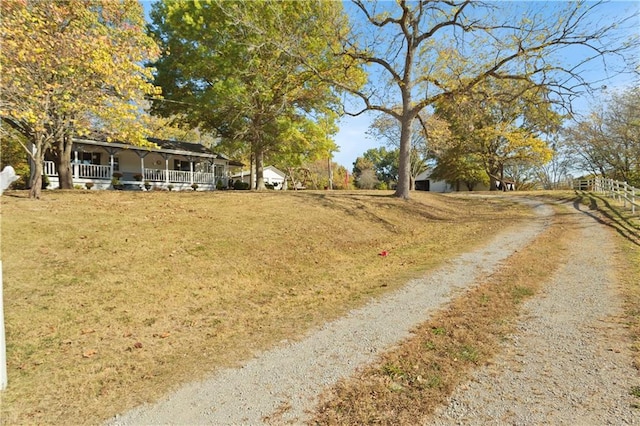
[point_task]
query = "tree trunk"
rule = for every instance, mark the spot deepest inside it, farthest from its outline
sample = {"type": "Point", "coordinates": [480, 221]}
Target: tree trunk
{"type": "Point", "coordinates": [493, 183]}
{"type": "Point", "coordinates": [404, 162]}
{"type": "Point", "coordinates": [252, 173]}
{"type": "Point", "coordinates": [62, 157]}
{"type": "Point", "coordinates": [65, 175]}
{"type": "Point", "coordinates": [292, 178]}
{"type": "Point", "coordinates": [36, 173]}
{"type": "Point", "coordinates": [260, 171]}
{"type": "Point", "coordinates": [38, 145]}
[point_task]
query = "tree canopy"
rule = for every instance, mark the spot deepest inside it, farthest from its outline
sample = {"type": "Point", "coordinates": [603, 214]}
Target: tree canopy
{"type": "Point", "coordinates": [418, 53]}
{"type": "Point", "coordinates": [383, 162]}
{"type": "Point", "coordinates": [227, 67]}
{"type": "Point", "coordinates": [607, 141]}
{"type": "Point", "coordinates": [70, 67]}
{"type": "Point", "coordinates": [496, 126]}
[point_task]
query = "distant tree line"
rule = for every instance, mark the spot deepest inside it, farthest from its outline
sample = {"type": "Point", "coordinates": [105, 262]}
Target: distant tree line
{"type": "Point", "coordinates": [482, 142]}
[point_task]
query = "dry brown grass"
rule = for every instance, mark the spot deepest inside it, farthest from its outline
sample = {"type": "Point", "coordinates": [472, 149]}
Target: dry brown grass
{"type": "Point", "coordinates": [410, 381]}
{"type": "Point", "coordinates": [113, 298]}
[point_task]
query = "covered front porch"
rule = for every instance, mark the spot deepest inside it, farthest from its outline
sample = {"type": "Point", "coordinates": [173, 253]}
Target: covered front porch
{"type": "Point", "coordinates": [170, 165]}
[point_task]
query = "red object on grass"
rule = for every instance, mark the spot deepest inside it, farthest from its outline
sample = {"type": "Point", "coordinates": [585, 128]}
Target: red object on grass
{"type": "Point", "coordinates": [383, 253]}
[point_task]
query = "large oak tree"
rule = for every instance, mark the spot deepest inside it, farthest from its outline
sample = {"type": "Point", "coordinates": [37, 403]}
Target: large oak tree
{"type": "Point", "coordinates": [227, 68]}
{"type": "Point", "coordinates": [418, 52]}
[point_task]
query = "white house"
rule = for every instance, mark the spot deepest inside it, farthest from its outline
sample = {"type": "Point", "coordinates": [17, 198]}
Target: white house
{"type": "Point", "coordinates": [164, 164]}
{"type": "Point", "coordinates": [271, 175]}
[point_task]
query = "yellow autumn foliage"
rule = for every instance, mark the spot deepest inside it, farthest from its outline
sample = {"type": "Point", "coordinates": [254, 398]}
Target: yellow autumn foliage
{"type": "Point", "coordinates": [74, 62]}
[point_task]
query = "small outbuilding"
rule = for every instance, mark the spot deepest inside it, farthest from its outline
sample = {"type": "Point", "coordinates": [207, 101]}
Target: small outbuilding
{"type": "Point", "coordinates": [272, 176]}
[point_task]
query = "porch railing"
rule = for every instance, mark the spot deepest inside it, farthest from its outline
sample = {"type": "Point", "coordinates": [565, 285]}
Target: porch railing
{"type": "Point", "coordinates": [49, 168]}
{"type": "Point", "coordinates": [94, 171]}
{"type": "Point", "coordinates": [179, 176]}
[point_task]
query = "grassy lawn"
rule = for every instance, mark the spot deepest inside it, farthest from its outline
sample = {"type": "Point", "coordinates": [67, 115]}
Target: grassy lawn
{"type": "Point", "coordinates": [409, 381]}
{"type": "Point", "coordinates": [114, 298]}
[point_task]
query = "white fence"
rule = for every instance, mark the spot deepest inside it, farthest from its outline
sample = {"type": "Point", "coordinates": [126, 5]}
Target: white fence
{"type": "Point", "coordinates": [621, 191]}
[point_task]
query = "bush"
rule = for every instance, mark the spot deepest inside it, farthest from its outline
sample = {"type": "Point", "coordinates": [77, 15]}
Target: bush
{"type": "Point", "coordinates": [382, 185]}
{"type": "Point", "coordinates": [219, 185]}
{"type": "Point", "coordinates": [116, 184]}
{"type": "Point", "coordinates": [21, 183]}
{"type": "Point", "coordinates": [240, 185]}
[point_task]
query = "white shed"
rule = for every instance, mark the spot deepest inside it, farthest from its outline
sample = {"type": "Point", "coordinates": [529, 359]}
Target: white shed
{"type": "Point", "coordinates": [425, 183]}
{"type": "Point", "coordinates": [272, 176]}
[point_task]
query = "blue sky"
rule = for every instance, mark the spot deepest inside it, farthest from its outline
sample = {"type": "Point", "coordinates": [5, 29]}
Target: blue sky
{"type": "Point", "coordinates": [353, 140]}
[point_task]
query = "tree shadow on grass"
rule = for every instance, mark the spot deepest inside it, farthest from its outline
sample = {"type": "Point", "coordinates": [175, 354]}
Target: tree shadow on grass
{"type": "Point", "coordinates": [366, 203]}
{"type": "Point", "coordinates": [601, 210]}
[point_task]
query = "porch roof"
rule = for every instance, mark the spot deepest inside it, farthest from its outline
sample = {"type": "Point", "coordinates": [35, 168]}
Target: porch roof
{"type": "Point", "coordinates": [160, 146]}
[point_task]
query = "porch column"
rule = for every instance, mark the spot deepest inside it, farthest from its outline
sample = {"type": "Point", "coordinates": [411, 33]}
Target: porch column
{"type": "Point", "coordinates": [112, 152]}
{"type": "Point", "coordinates": [212, 170]}
{"type": "Point", "coordinates": [166, 166]}
{"type": "Point", "coordinates": [76, 165]}
{"type": "Point", "coordinates": [191, 160]}
{"type": "Point", "coordinates": [142, 154]}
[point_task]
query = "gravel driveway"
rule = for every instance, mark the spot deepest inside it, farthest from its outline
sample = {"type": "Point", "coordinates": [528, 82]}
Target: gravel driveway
{"type": "Point", "coordinates": [568, 364]}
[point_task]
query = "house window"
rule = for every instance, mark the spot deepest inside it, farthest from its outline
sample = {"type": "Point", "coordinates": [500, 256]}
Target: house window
{"type": "Point", "coordinates": [89, 158]}
{"type": "Point", "coordinates": [116, 164]}
{"type": "Point", "coordinates": [181, 165]}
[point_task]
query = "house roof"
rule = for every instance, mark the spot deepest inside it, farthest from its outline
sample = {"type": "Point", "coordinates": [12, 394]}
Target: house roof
{"type": "Point", "coordinates": [424, 175]}
{"type": "Point", "coordinates": [183, 146]}
{"type": "Point", "coordinates": [160, 145]}
{"type": "Point", "coordinates": [276, 171]}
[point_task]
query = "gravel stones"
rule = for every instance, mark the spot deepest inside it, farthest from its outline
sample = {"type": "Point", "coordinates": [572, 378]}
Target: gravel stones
{"type": "Point", "coordinates": [569, 363]}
